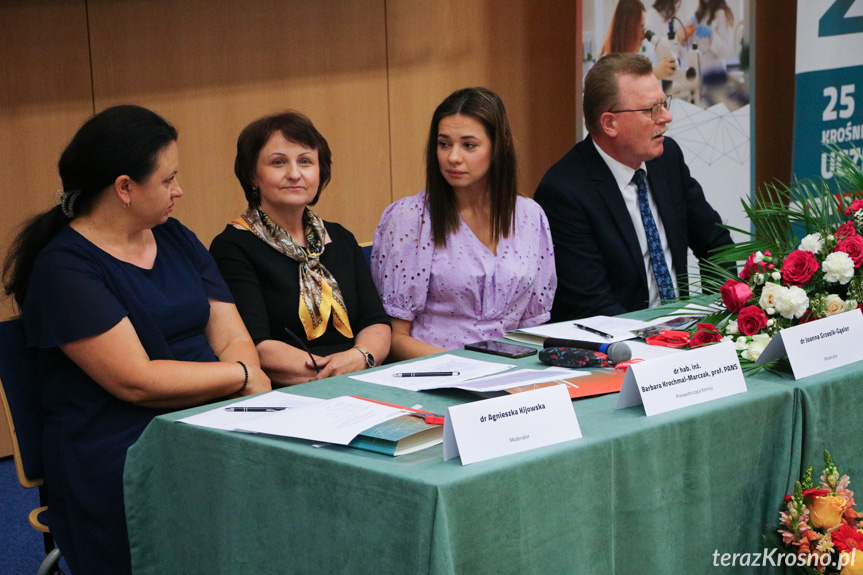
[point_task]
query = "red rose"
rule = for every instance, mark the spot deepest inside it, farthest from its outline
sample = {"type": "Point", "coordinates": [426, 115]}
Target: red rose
{"type": "Point", "coordinates": [750, 267]}
{"type": "Point", "coordinates": [735, 295]}
{"type": "Point", "coordinates": [706, 333]}
{"type": "Point", "coordinates": [853, 246]}
{"type": "Point", "coordinates": [855, 205]}
{"type": "Point", "coordinates": [846, 230]}
{"type": "Point", "coordinates": [799, 267]}
{"type": "Point", "coordinates": [751, 320]}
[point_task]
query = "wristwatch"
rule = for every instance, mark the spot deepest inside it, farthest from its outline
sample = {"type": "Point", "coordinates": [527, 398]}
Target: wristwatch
{"type": "Point", "coordinates": [370, 359]}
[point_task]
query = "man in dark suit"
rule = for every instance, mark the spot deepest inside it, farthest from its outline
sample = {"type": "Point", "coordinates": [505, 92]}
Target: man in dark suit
{"type": "Point", "coordinates": [620, 235]}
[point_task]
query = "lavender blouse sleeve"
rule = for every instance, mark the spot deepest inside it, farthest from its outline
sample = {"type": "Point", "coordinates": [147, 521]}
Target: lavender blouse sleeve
{"type": "Point", "coordinates": [542, 294]}
{"type": "Point", "coordinates": [401, 257]}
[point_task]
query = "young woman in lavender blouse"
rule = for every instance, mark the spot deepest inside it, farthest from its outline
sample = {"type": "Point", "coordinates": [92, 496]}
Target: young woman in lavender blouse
{"type": "Point", "coordinates": [467, 258]}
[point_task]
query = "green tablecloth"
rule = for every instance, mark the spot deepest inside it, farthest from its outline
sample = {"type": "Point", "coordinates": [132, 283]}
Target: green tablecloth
{"type": "Point", "coordinates": [634, 495]}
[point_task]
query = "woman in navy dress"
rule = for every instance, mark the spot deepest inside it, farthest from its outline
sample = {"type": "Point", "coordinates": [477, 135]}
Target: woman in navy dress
{"type": "Point", "coordinates": [130, 317]}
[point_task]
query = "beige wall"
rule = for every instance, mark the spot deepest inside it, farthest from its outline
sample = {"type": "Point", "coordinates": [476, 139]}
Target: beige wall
{"type": "Point", "coordinates": [368, 72]}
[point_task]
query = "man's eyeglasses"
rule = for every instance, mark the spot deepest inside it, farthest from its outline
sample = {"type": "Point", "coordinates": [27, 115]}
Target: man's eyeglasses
{"type": "Point", "coordinates": [655, 110]}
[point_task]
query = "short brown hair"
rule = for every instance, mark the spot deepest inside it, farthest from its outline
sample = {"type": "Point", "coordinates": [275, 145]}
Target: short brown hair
{"type": "Point", "coordinates": [602, 88]}
{"type": "Point", "coordinates": [486, 107]}
{"type": "Point", "coordinates": [295, 127]}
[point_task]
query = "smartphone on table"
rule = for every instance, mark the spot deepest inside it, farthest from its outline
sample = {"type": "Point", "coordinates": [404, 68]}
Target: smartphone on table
{"type": "Point", "coordinates": [499, 348]}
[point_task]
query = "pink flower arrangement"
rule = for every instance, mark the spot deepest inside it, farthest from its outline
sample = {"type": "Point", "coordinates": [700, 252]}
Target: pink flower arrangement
{"type": "Point", "coordinates": [817, 276]}
{"type": "Point", "coordinates": [821, 526]}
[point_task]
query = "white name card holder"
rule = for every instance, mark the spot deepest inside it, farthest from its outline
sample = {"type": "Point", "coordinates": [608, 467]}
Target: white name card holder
{"type": "Point", "coordinates": [819, 345]}
{"type": "Point", "coordinates": [674, 381]}
{"type": "Point", "coordinates": [511, 424]}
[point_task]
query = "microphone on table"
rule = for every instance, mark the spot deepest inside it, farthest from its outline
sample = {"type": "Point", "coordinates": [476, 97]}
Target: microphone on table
{"type": "Point", "coordinates": [617, 352]}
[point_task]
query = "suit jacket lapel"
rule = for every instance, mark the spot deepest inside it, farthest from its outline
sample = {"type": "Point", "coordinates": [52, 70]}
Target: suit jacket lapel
{"type": "Point", "coordinates": [605, 187]}
{"type": "Point", "coordinates": [659, 189]}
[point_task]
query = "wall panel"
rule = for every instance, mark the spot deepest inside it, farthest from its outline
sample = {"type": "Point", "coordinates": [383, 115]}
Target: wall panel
{"type": "Point", "coordinates": [44, 97]}
{"type": "Point", "coordinates": [210, 67]}
{"type": "Point", "coordinates": [523, 51]}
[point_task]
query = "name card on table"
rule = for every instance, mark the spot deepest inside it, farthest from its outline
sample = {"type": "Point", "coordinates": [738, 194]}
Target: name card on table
{"type": "Point", "coordinates": [819, 345]}
{"type": "Point", "coordinates": [493, 427]}
{"type": "Point", "coordinates": [674, 381]}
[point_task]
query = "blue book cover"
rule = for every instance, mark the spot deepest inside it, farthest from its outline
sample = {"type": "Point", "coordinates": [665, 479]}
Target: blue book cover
{"type": "Point", "coordinates": [399, 436]}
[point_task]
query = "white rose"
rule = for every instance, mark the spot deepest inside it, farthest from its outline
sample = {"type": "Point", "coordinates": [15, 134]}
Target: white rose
{"type": "Point", "coordinates": [727, 339]}
{"type": "Point", "coordinates": [833, 305]}
{"type": "Point", "coordinates": [838, 267]}
{"type": "Point", "coordinates": [759, 257]}
{"type": "Point", "coordinates": [756, 348]}
{"type": "Point", "coordinates": [776, 275]}
{"type": "Point", "coordinates": [731, 327]}
{"type": "Point", "coordinates": [792, 302]}
{"type": "Point", "coordinates": [811, 243]}
{"type": "Point", "coordinates": [741, 343]}
{"type": "Point", "coordinates": [769, 293]}
{"type": "Point", "coordinates": [851, 303]}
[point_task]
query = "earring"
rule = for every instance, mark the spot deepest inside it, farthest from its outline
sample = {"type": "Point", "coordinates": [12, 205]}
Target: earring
{"type": "Point", "coordinates": [126, 205]}
{"type": "Point", "coordinates": [255, 193]}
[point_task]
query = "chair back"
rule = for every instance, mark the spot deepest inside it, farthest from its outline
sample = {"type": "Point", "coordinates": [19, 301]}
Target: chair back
{"type": "Point", "coordinates": [367, 251]}
{"type": "Point", "coordinates": [19, 393]}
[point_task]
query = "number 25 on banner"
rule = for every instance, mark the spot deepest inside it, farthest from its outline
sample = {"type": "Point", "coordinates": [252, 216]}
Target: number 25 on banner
{"type": "Point", "coordinates": [846, 102]}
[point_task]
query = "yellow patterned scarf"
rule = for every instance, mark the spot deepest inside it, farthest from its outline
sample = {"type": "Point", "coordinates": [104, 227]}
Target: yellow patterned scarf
{"type": "Point", "coordinates": [319, 291]}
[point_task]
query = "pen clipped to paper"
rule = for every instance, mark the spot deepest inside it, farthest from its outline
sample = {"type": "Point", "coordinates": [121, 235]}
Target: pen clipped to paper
{"type": "Point", "coordinates": [593, 331]}
{"type": "Point", "coordinates": [254, 409]}
{"type": "Point", "coordinates": [428, 374]}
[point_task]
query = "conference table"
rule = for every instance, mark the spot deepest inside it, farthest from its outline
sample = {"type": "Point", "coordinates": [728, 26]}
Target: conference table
{"type": "Point", "coordinates": [669, 493]}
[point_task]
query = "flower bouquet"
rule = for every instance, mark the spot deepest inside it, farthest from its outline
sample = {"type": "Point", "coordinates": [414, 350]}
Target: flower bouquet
{"type": "Point", "coordinates": [786, 280]}
{"type": "Point", "coordinates": [820, 525]}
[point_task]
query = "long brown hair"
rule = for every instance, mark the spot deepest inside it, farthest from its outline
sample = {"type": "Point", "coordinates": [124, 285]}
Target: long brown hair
{"type": "Point", "coordinates": [707, 10]}
{"type": "Point", "coordinates": [625, 32]}
{"type": "Point", "coordinates": [487, 108]}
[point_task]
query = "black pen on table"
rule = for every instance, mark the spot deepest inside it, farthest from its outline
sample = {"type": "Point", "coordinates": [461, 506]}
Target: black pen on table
{"type": "Point", "coordinates": [254, 409]}
{"type": "Point", "coordinates": [427, 374]}
{"type": "Point", "coordinates": [595, 331]}
{"type": "Point", "coordinates": [302, 346]}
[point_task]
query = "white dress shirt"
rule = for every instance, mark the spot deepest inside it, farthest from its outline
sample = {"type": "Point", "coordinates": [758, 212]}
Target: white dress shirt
{"type": "Point", "coordinates": [623, 176]}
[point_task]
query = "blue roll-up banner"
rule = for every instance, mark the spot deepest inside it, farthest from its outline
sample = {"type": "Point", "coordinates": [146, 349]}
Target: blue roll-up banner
{"type": "Point", "coordinates": [828, 101]}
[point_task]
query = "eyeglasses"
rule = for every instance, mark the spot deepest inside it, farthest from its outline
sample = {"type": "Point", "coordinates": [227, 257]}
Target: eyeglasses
{"type": "Point", "coordinates": [655, 110]}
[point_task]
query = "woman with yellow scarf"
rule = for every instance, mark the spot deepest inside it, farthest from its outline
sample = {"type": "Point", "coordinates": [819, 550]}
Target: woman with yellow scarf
{"type": "Point", "coordinates": [302, 285]}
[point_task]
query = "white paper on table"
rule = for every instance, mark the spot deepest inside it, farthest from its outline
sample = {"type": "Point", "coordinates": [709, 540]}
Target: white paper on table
{"type": "Point", "coordinates": [517, 378]}
{"type": "Point", "coordinates": [641, 350]}
{"type": "Point", "coordinates": [219, 418]}
{"type": "Point", "coordinates": [467, 368]}
{"type": "Point", "coordinates": [337, 420]}
{"type": "Point", "coordinates": [618, 327]}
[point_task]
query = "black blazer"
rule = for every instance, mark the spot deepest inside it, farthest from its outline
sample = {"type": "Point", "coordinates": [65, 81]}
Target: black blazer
{"type": "Point", "coordinates": [600, 268]}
